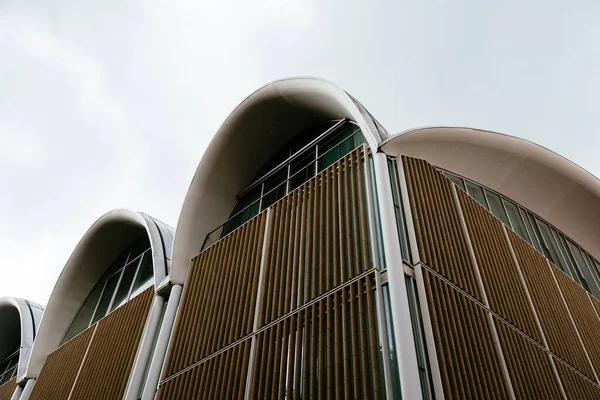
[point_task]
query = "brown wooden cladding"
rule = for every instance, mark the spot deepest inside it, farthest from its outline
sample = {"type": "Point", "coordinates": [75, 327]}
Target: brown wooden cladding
{"type": "Point", "coordinates": [528, 365]}
{"type": "Point", "coordinates": [468, 359]}
{"type": "Point", "coordinates": [219, 297]}
{"type": "Point", "coordinates": [220, 377]}
{"type": "Point", "coordinates": [58, 374]}
{"type": "Point", "coordinates": [106, 368]}
{"type": "Point", "coordinates": [441, 242]}
{"type": "Point", "coordinates": [583, 314]}
{"type": "Point", "coordinates": [329, 349]}
{"type": "Point", "coordinates": [553, 315]}
{"type": "Point", "coordinates": [7, 390]}
{"type": "Point", "coordinates": [505, 291]}
{"type": "Point", "coordinates": [576, 386]}
{"type": "Point", "coordinates": [319, 238]}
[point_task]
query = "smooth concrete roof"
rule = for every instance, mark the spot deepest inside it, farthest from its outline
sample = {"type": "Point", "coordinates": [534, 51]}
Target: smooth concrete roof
{"type": "Point", "coordinates": [252, 133]}
{"type": "Point", "coordinates": [102, 243]}
{"type": "Point", "coordinates": [19, 322]}
{"type": "Point", "coordinates": [558, 190]}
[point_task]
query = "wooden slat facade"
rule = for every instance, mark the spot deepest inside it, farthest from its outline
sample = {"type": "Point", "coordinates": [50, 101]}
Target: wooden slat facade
{"type": "Point", "coordinates": [442, 244]}
{"type": "Point", "coordinates": [7, 390]}
{"type": "Point", "coordinates": [554, 316]}
{"type": "Point", "coordinates": [320, 238]}
{"type": "Point", "coordinates": [500, 276]}
{"type": "Point", "coordinates": [468, 358]}
{"type": "Point", "coordinates": [329, 349]}
{"type": "Point", "coordinates": [219, 298]}
{"type": "Point", "coordinates": [576, 386]}
{"type": "Point", "coordinates": [105, 371]}
{"type": "Point", "coordinates": [528, 364]}
{"type": "Point", "coordinates": [58, 374]}
{"type": "Point", "coordinates": [111, 345]}
{"type": "Point", "coordinates": [220, 377]}
{"type": "Point", "coordinates": [455, 305]}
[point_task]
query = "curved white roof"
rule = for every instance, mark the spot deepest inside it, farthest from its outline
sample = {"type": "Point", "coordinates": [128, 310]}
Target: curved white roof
{"type": "Point", "coordinates": [252, 133]}
{"type": "Point", "coordinates": [548, 184]}
{"type": "Point", "coordinates": [19, 321]}
{"type": "Point", "coordinates": [101, 244]}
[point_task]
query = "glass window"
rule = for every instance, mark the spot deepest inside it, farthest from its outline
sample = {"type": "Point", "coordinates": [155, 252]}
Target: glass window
{"type": "Point", "coordinates": [107, 295]}
{"type": "Point", "coordinates": [457, 180]}
{"type": "Point", "coordinates": [302, 169]}
{"type": "Point", "coordinates": [275, 188]}
{"type": "Point", "coordinates": [394, 370]}
{"type": "Point", "coordinates": [550, 246]}
{"type": "Point", "coordinates": [516, 222]}
{"type": "Point", "coordinates": [143, 280]}
{"type": "Point", "coordinates": [122, 293]}
{"type": "Point", "coordinates": [579, 263]}
{"type": "Point", "coordinates": [476, 192]}
{"type": "Point", "coordinates": [496, 206]}
{"type": "Point", "coordinates": [83, 317]}
{"type": "Point", "coordinates": [562, 244]}
{"type": "Point", "coordinates": [399, 211]}
{"type": "Point", "coordinates": [138, 248]}
{"type": "Point", "coordinates": [532, 229]}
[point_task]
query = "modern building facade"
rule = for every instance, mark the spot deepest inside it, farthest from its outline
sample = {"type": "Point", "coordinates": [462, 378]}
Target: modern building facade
{"type": "Point", "coordinates": [318, 256]}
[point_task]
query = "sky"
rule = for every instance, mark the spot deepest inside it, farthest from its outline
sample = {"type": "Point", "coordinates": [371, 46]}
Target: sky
{"type": "Point", "coordinates": [111, 104]}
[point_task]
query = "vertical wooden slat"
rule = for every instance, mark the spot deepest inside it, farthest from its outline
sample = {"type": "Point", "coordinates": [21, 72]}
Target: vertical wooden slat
{"type": "Point", "coordinates": [553, 315]}
{"type": "Point", "coordinates": [106, 368]}
{"type": "Point", "coordinates": [6, 390]}
{"type": "Point", "coordinates": [576, 386]}
{"type": "Point", "coordinates": [60, 369]}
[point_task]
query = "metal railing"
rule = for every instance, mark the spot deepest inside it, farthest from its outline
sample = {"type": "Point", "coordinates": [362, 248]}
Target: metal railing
{"type": "Point", "coordinates": [223, 230]}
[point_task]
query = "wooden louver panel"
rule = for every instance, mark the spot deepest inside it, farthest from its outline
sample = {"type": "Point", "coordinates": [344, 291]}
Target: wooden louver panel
{"type": "Point", "coordinates": [583, 314]}
{"type": "Point", "coordinates": [329, 349]}
{"type": "Point", "coordinates": [220, 377]}
{"type": "Point", "coordinates": [319, 238]}
{"type": "Point", "coordinates": [468, 359]}
{"type": "Point", "coordinates": [6, 390]}
{"type": "Point", "coordinates": [58, 374]}
{"type": "Point", "coordinates": [576, 386]}
{"type": "Point", "coordinates": [528, 365]}
{"type": "Point", "coordinates": [499, 274]}
{"type": "Point", "coordinates": [553, 315]}
{"type": "Point", "coordinates": [218, 302]}
{"type": "Point", "coordinates": [442, 245]}
{"type": "Point", "coordinates": [106, 368]}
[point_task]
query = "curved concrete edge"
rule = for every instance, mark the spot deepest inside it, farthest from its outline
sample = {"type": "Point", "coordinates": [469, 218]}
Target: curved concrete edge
{"type": "Point", "coordinates": [98, 247]}
{"type": "Point", "coordinates": [250, 135]}
{"type": "Point", "coordinates": [29, 315]}
{"type": "Point", "coordinates": [548, 184]}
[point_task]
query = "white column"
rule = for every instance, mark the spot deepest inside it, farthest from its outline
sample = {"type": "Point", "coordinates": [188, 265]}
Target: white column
{"type": "Point", "coordinates": [145, 348]}
{"type": "Point", "coordinates": [162, 343]}
{"type": "Point", "coordinates": [403, 334]}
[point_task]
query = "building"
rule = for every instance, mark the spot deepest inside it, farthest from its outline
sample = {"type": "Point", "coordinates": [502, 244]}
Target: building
{"type": "Point", "coordinates": [316, 255]}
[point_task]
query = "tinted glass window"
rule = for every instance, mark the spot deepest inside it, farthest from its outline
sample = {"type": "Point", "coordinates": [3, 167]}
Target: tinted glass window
{"type": "Point", "coordinates": [457, 180]}
{"type": "Point", "coordinates": [476, 192]}
{"type": "Point", "coordinates": [516, 222]}
{"type": "Point", "coordinates": [496, 206]}
{"type": "Point", "coordinates": [107, 295]}
{"type": "Point", "coordinates": [84, 316]}
{"type": "Point", "coordinates": [125, 285]}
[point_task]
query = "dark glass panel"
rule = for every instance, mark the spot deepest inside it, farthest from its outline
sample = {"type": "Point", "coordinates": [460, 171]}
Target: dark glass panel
{"type": "Point", "coordinates": [107, 295]}
{"type": "Point", "coordinates": [83, 317]}
{"type": "Point", "coordinates": [496, 207]}
{"type": "Point", "coordinates": [457, 180]}
{"type": "Point", "coordinates": [125, 285]}
{"type": "Point", "coordinates": [516, 221]}
{"type": "Point", "coordinates": [476, 192]}
{"type": "Point", "coordinates": [144, 276]}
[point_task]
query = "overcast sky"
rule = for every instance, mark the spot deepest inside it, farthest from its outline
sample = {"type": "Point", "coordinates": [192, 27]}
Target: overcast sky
{"type": "Point", "coordinates": [107, 104]}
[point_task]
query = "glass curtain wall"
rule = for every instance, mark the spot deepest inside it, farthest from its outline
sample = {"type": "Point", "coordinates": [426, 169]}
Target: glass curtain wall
{"type": "Point", "coordinates": [311, 152]}
{"type": "Point", "coordinates": [128, 275]}
{"type": "Point", "coordinates": [558, 248]}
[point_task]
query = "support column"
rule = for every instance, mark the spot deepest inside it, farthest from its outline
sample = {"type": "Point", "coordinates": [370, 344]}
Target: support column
{"type": "Point", "coordinates": [27, 390]}
{"type": "Point", "coordinates": [162, 343]}
{"type": "Point", "coordinates": [403, 334]}
{"type": "Point", "coordinates": [145, 348]}
{"type": "Point", "coordinates": [17, 393]}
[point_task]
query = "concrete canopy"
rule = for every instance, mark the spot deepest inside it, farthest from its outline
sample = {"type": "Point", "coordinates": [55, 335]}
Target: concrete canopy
{"type": "Point", "coordinates": [248, 138]}
{"type": "Point", "coordinates": [19, 321]}
{"type": "Point", "coordinates": [101, 244]}
{"type": "Point", "coordinates": [551, 186]}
